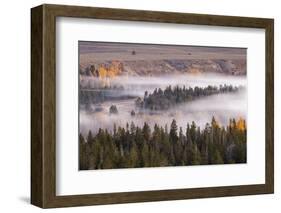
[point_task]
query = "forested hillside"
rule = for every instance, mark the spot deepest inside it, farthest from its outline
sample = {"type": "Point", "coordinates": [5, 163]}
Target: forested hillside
{"type": "Point", "coordinates": [134, 147]}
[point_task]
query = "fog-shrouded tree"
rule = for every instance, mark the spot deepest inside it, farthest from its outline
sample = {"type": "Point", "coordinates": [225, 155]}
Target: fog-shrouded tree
{"type": "Point", "coordinates": [164, 100]}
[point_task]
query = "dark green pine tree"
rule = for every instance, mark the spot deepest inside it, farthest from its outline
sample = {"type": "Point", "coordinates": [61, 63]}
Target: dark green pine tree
{"type": "Point", "coordinates": [83, 157]}
{"type": "Point", "coordinates": [90, 137]}
{"type": "Point", "coordinates": [174, 131]}
{"type": "Point", "coordinates": [145, 160]}
{"type": "Point", "coordinates": [193, 132]}
{"type": "Point", "coordinates": [146, 132]}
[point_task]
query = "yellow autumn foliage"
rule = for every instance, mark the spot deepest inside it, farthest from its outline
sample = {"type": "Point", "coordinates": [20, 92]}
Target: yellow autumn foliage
{"type": "Point", "coordinates": [102, 72]}
{"type": "Point", "coordinates": [241, 124]}
{"type": "Point", "coordinates": [110, 72]}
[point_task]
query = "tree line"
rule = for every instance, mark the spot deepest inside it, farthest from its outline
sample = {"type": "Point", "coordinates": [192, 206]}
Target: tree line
{"type": "Point", "coordinates": [99, 95]}
{"type": "Point", "coordinates": [135, 147]}
{"type": "Point", "coordinates": [164, 99]}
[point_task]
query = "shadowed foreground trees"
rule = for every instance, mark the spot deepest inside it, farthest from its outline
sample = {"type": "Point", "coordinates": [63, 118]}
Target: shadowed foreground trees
{"type": "Point", "coordinates": [134, 147]}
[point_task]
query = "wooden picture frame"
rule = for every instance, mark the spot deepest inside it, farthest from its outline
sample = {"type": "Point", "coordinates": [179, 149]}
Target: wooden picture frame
{"type": "Point", "coordinates": [43, 105]}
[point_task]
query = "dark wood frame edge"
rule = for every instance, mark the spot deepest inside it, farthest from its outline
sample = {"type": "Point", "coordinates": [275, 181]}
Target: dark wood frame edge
{"type": "Point", "coordinates": [43, 105]}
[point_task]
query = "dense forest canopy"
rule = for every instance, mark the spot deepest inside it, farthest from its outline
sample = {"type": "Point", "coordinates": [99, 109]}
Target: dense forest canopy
{"type": "Point", "coordinates": [164, 99]}
{"type": "Point", "coordinates": [134, 147]}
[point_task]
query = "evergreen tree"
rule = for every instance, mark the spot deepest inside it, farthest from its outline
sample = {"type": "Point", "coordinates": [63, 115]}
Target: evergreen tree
{"type": "Point", "coordinates": [90, 137]}
{"type": "Point", "coordinates": [133, 146]}
{"type": "Point", "coordinates": [83, 161]}
{"type": "Point", "coordinates": [217, 158]}
{"type": "Point", "coordinates": [173, 132]}
{"type": "Point", "coordinates": [146, 132]}
{"type": "Point", "coordinates": [145, 161]}
{"type": "Point", "coordinates": [193, 132]}
{"type": "Point", "coordinates": [196, 156]}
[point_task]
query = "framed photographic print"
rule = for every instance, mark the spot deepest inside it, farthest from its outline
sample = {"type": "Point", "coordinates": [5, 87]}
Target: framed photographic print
{"type": "Point", "coordinates": [136, 106]}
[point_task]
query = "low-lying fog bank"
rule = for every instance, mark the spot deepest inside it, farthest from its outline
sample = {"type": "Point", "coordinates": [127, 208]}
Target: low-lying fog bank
{"type": "Point", "coordinates": [136, 86]}
{"type": "Point", "coordinates": [221, 106]}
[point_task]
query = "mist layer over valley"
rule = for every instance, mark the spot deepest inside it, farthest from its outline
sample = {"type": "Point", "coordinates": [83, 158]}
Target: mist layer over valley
{"type": "Point", "coordinates": [125, 90]}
